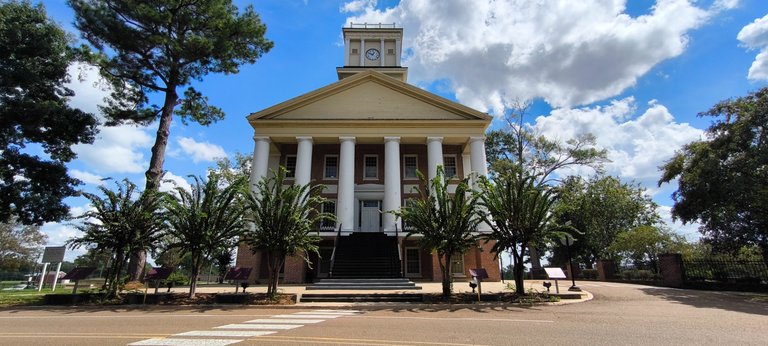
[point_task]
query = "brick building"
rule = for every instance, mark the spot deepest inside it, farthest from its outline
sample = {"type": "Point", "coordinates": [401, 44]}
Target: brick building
{"type": "Point", "coordinates": [364, 137]}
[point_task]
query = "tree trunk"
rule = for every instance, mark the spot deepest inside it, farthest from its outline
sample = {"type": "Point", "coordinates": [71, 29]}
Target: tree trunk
{"type": "Point", "coordinates": [118, 268]}
{"type": "Point", "coordinates": [197, 263]}
{"type": "Point", "coordinates": [155, 171]}
{"type": "Point", "coordinates": [447, 278]}
{"type": "Point", "coordinates": [518, 271]}
{"type": "Point", "coordinates": [136, 265]}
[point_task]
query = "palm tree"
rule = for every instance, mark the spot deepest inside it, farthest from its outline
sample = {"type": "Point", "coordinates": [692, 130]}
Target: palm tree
{"type": "Point", "coordinates": [120, 224]}
{"type": "Point", "coordinates": [447, 222]}
{"type": "Point", "coordinates": [282, 221]}
{"type": "Point", "coordinates": [519, 213]}
{"type": "Point", "coordinates": [203, 220]}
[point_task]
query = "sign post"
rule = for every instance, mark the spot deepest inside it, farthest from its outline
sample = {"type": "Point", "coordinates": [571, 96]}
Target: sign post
{"type": "Point", "coordinates": [42, 277]}
{"type": "Point", "coordinates": [51, 254]}
{"type": "Point", "coordinates": [78, 274]}
{"type": "Point", "coordinates": [568, 241]}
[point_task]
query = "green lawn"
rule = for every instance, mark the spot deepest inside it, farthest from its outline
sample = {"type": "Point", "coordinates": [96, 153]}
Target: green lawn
{"type": "Point", "coordinates": [32, 296]}
{"type": "Point", "coordinates": [27, 297]}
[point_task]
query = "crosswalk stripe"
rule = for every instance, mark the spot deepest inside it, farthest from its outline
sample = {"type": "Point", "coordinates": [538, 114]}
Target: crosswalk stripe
{"type": "Point", "coordinates": [260, 326]}
{"type": "Point", "coordinates": [307, 315]}
{"type": "Point", "coordinates": [284, 320]}
{"type": "Point", "coordinates": [231, 333]}
{"type": "Point", "coordinates": [332, 313]}
{"type": "Point", "coordinates": [185, 342]}
{"type": "Point", "coordinates": [352, 311]}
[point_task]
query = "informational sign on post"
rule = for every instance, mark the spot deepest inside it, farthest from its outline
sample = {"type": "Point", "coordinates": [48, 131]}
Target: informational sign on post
{"type": "Point", "coordinates": [51, 254]}
{"type": "Point", "coordinates": [555, 274]}
{"type": "Point", "coordinates": [54, 254]}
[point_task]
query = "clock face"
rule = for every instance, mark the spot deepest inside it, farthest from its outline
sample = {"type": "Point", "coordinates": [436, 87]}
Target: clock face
{"type": "Point", "coordinates": [372, 54]}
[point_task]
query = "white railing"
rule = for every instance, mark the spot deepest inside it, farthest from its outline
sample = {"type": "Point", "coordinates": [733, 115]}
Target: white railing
{"type": "Point", "coordinates": [372, 26]}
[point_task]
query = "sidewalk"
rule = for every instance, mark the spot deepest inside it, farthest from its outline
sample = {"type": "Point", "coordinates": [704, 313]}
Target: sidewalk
{"type": "Point", "coordinates": [427, 288]}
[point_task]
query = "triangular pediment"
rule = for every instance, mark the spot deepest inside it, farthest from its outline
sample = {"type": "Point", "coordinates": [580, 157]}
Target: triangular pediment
{"type": "Point", "coordinates": [369, 95]}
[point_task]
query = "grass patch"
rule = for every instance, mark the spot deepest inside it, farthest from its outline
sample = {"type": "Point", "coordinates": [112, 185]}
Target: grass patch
{"type": "Point", "coordinates": [27, 297]}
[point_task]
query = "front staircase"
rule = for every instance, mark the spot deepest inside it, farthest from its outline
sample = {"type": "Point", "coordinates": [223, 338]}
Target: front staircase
{"type": "Point", "coordinates": [365, 261]}
{"type": "Point", "coordinates": [366, 256]}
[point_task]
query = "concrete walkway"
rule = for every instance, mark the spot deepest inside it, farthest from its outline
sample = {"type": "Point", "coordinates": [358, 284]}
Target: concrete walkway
{"type": "Point", "coordinates": [427, 287]}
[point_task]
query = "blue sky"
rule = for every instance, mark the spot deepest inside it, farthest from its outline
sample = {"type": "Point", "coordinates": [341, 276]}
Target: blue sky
{"type": "Point", "coordinates": [634, 73]}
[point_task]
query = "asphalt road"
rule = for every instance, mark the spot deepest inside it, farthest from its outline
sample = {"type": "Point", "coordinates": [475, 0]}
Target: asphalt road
{"type": "Point", "coordinates": [619, 314]}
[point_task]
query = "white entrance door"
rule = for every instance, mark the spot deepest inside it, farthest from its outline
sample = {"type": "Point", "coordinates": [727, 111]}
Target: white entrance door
{"type": "Point", "coordinates": [370, 216]}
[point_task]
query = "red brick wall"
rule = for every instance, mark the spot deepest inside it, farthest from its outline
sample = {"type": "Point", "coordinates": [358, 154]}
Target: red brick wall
{"type": "Point", "coordinates": [246, 258]}
{"type": "Point", "coordinates": [295, 270]}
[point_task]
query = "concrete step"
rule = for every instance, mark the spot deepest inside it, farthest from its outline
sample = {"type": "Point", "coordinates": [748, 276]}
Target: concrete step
{"type": "Point", "coordinates": [348, 298]}
{"type": "Point", "coordinates": [363, 287]}
{"type": "Point", "coordinates": [364, 284]}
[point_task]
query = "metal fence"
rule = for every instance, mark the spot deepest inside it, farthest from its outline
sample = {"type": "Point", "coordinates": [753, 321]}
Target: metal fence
{"type": "Point", "coordinates": [730, 271]}
{"type": "Point", "coordinates": [637, 271]}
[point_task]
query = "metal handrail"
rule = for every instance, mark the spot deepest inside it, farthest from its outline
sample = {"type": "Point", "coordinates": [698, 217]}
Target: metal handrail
{"type": "Point", "coordinates": [333, 254]}
{"type": "Point", "coordinates": [399, 253]}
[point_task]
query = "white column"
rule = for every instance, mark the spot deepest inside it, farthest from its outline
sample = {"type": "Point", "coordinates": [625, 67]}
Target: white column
{"type": "Point", "coordinates": [303, 160]}
{"type": "Point", "coordinates": [382, 55]}
{"type": "Point", "coordinates": [477, 156]}
{"type": "Point", "coordinates": [260, 160]}
{"type": "Point", "coordinates": [346, 51]}
{"type": "Point", "coordinates": [434, 155]}
{"type": "Point", "coordinates": [479, 169]}
{"type": "Point", "coordinates": [397, 51]}
{"type": "Point", "coordinates": [362, 52]}
{"type": "Point", "coordinates": [345, 203]}
{"type": "Point", "coordinates": [392, 181]}
{"type": "Point", "coordinates": [466, 163]}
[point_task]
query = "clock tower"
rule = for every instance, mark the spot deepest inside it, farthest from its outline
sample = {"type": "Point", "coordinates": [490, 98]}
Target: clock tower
{"type": "Point", "coordinates": [373, 46]}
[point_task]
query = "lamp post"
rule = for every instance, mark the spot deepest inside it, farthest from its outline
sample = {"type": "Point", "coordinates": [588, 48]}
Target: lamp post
{"type": "Point", "coordinates": [568, 241]}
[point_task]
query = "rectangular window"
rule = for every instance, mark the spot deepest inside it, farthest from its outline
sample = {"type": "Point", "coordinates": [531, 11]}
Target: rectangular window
{"type": "Point", "coordinates": [390, 51]}
{"type": "Point", "coordinates": [412, 261]}
{"type": "Point", "coordinates": [330, 208]}
{"type": "Point", "coordinates": [371, 169]}
{"type": "Point", "coordinates": [449, 164]}
{"type": "Point", "coordinates": [290, 166]}
{"type": "Point", "coordinates": [331, 167]}
{"type": "Point", "coordinates": [354, 50]}
{"type": "Point", "coordinates": [457, 265]}
{"type": "Point", "coordinates": [409, 167]}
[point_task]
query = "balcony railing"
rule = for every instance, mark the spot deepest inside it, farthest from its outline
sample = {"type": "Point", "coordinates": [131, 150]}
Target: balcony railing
{"type": "Point", "coordinates": [372, 26]}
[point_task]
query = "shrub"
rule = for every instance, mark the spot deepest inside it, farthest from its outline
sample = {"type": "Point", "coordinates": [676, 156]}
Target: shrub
{"type": "Point", "coordinates": [589, 274]}
{"type": "Point", "coordinates": [178, 279]}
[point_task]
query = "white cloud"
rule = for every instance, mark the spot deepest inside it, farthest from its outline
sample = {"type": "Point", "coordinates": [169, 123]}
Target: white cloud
{"type": "Point", "coordinates": [58, 234]}
{"type": "Point", "coordinates": [567, 52]}
{"type": "Point", "coordinates": [117, 149]}
{"type": "Point", "coordinates": [725, 4]}
{"type": "Point", "coordinates": [636, 147]}
{"type": "Point", "coordinates": [170, 181]}
{"type": "Point", "coordinates": [755, 36]}
{"type": "Point", "coordinates": [690, 230]}
{"type": "Point", "coordinates": [88, 178]}
{"type": "Point", "coordinates": [357, 6]}
{"type": "Point", "coordinates": [201, 151]}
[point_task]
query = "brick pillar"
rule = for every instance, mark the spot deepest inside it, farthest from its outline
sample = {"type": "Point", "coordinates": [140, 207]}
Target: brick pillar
{"type": "Point", "coordinates": [295, 270]}
{"type": "Point", "coordinates": [671, 268]}
{"type": "Point", "coordinates": [247, 259]}
{"type": "Point", "coordinates": [606, 269]}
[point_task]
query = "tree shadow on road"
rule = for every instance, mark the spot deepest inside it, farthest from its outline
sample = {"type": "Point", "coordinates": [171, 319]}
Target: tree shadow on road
{"type": "Point", "coordinates": [751, 303]}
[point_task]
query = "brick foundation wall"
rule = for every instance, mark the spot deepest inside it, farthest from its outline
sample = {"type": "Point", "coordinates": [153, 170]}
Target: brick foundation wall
{"type": "Point", "coordinates": [295, 270]}
{"type": "Point", "coordinates": [246, 258]}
